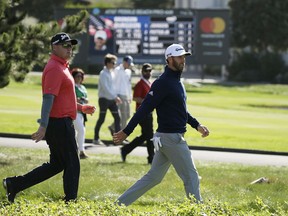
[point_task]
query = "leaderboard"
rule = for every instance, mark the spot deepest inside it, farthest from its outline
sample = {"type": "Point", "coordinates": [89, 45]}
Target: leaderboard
{"type": "Point", "coordinates": [162, 32]}
{"type": "Point", "coordinates": [145, 33]}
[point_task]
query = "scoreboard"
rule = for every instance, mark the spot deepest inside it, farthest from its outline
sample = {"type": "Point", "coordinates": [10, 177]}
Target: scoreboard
{"type": "Point", "coordinates": [151, 35]}
{"type": "Point", "coordinates": [146, 33]}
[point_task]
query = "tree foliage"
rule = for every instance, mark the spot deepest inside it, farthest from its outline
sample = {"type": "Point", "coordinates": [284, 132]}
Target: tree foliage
{"type": "Point", "coordinates": [168, 4]}
{"type": "Point", "coordinates": [41, 9]}
{"type": "Point", "coordinates": [260, 24]}
{"type": "Point", "coordinates": [23, 46]}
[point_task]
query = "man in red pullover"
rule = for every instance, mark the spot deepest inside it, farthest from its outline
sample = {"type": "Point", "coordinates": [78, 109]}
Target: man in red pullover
{"type": "Point", "coordinates": [58, 111]}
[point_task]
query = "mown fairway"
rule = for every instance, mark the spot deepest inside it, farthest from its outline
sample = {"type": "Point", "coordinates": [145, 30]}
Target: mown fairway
{"type": "Point", "coordinates": [238, 116]}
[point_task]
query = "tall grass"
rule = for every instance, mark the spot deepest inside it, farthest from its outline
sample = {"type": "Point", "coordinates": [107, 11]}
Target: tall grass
{"type": "Point", "coordinates": [238, 116]}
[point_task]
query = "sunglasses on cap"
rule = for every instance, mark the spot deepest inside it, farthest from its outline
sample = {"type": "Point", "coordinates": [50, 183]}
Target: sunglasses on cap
{"type": "Point", "coordinates": [66, 46]}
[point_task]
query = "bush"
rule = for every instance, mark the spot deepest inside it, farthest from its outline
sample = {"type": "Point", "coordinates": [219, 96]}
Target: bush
{"type": "Point", "coordinates": [245, 68]}
{"type": "Point", "coordinates": [214, 70]}
{"type": "Point", "coordinates": [252, 67]}
{"type": "Point", "coordinates": [271, 64]}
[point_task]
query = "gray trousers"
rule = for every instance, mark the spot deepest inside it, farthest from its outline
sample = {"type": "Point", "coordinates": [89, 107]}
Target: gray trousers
{"type": "Point", "coordinates": [174, 151]}
{"type": "Point", "coordinates": [124, 109]}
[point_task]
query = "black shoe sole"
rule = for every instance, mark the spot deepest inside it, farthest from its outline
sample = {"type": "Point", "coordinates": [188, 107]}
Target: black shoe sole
{"type": "Point", "coordinates": [9, 192]}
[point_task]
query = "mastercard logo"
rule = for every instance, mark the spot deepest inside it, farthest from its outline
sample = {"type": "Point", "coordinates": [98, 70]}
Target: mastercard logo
{"type": "Point", "coordinates": [214, 25]}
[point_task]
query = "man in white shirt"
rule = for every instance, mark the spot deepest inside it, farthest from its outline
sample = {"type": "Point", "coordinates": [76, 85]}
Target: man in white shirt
{"type": "Point", "coordinates": [122, 84]}
{"type": "Point", "coordinates": [108, 98]}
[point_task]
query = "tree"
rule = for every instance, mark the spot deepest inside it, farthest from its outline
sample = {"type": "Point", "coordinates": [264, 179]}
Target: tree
{"type": "Point", "coordinates": [260, 24]}
{"type": "Point", "coordinates": [262, 27]}
{"type": "Point", "coordinates": [24, 46]}
{"type": "Point", "coordinates": [43, 10]}
{"type": "Point", "coordinates": [153, 4]}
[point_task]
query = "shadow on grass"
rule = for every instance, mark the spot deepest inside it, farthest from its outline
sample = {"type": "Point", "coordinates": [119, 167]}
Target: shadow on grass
{"type": "Point", "coordinates": [282, 107]}
{"type": "Point", "coordinates": [198, 91]}
{"type": "Point", "coordinates": [108, 163]}
{"type": "Point", "coordinates": [2, 163]}
{"type": "Point", "coordinates": [103, 163]}
{"type": "Point", "coordinates": [193, 89]}
{"type": "Point", "coordinates": [233, 84]}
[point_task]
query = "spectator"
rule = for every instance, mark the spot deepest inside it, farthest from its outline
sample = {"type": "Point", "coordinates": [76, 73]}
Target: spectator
{"type": "Point", "coordinates": [59, 108]}
{"type": "Point", "coordinates": [140, 91]}
{"type": "Point", "coordinates": [123, 90]}
{"type": "Point", "coordinates": [107, 97]}
{"type": "Point", "coordinates": [81, 118]}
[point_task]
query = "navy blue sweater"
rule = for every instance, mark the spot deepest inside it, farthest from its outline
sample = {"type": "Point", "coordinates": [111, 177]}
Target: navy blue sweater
{"type": "Point", "coordinates": [168, 96]}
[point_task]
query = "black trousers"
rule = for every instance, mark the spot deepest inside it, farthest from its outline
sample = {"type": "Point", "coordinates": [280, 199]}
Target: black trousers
{"type": "Point", "coordinates": [105, 104]}
{"type": "Point", "coordinates": [146, 136]}
{"type": "Point", "coordinates": [60, 137]}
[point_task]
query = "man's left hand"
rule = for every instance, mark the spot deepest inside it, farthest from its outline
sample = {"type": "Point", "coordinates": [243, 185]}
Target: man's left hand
{"type": "Point", "coordinates": [88, 109]}
{"type": "Point", "coordinates": [203, 130]}
{"type": "Point", "coordinates": [119, 137]}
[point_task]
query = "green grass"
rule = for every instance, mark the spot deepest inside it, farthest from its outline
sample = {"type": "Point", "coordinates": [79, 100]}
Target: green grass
{"type": "Point", "coordinates": [225, 188]}
{"type": "Point", "coordinates": [238, 116]}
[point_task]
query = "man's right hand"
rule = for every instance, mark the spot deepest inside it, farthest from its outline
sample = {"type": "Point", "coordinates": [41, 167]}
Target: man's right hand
{"type": "Point", "coordinates": [203, 130]}
{"type": "Point", "coordinates": [39, 135]}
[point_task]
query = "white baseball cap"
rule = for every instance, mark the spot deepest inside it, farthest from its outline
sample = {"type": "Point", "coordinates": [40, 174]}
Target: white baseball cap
{"type": "Point", "coordinates": [175, 50]}
{"type": "Point", "coordinates": [100, 34]}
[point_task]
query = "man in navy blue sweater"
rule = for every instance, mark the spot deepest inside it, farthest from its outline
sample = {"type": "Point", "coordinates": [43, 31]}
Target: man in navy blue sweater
{"type": "Point", "coordinates": [168, 96]}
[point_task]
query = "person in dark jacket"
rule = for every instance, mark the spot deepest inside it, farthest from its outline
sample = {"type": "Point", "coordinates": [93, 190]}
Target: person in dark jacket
{"type": "Point", "coordinates": [168, 96]}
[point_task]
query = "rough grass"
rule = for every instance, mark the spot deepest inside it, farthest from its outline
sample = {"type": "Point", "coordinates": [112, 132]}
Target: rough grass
{"type": "Point", "coordinates": [225, 188]}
